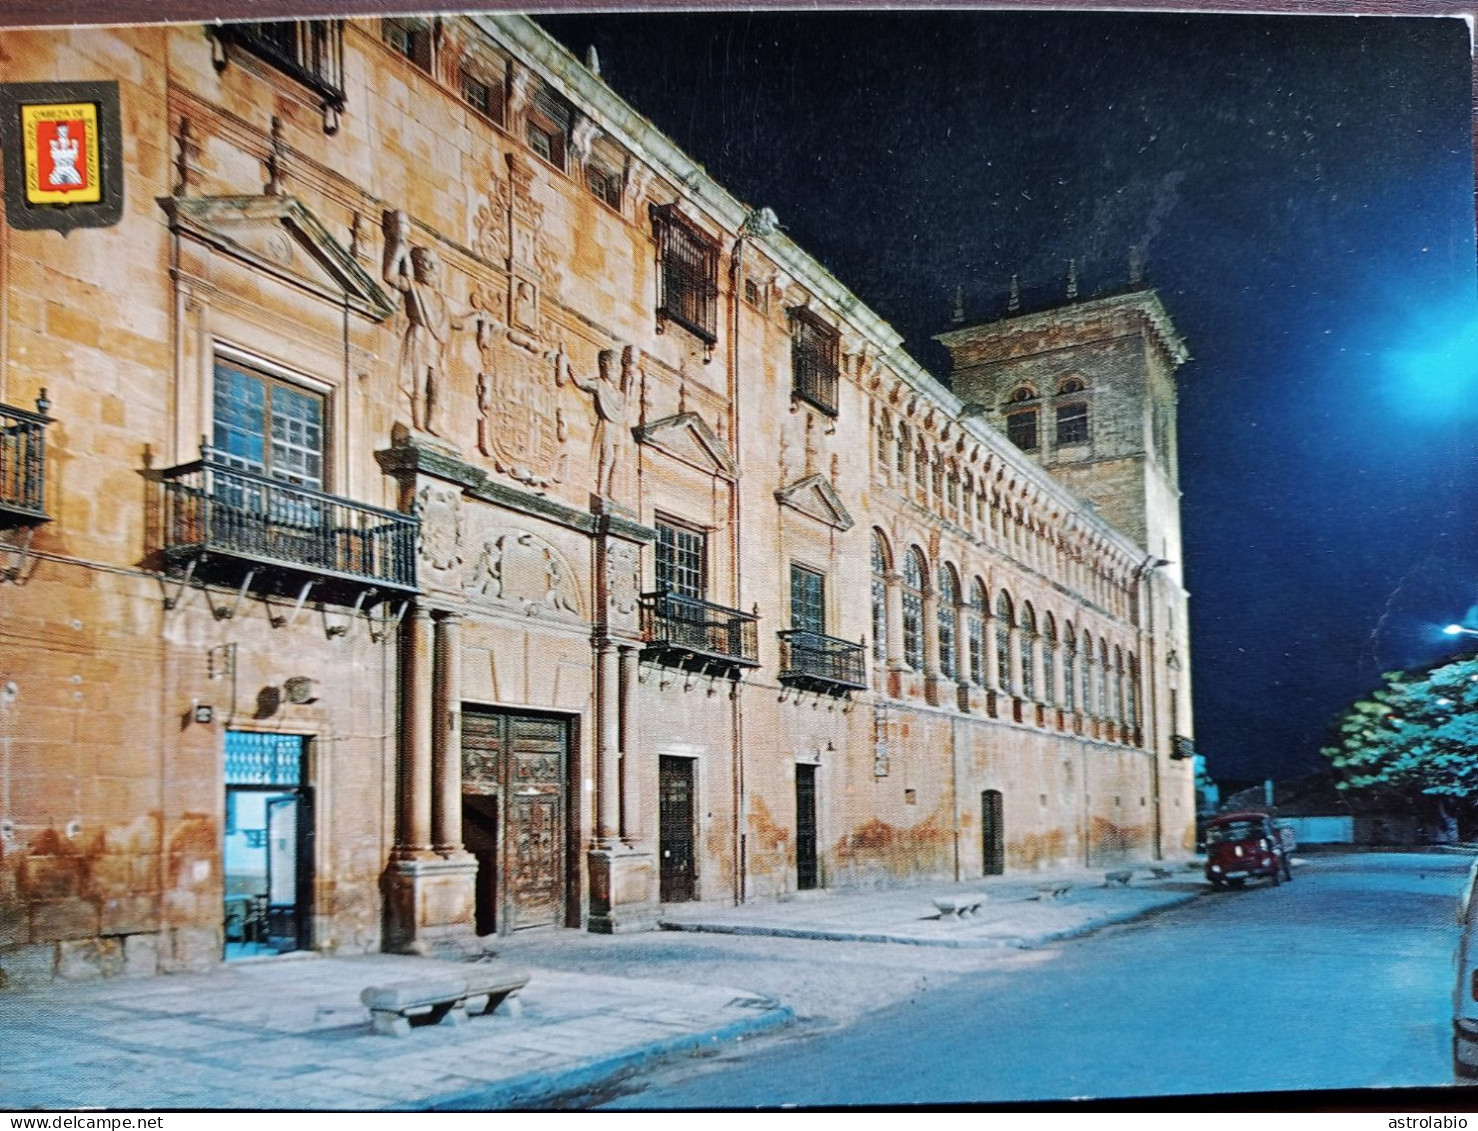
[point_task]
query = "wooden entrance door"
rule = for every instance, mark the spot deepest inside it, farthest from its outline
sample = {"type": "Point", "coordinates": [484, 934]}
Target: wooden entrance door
{"type": "Point", "coordinates": [677, 875]}
{"type": "Point", "coordinates": [992, 833]}
{"type": "Point", "coordinates": [806, 873]}
{"type": "Point", "coordinates": [518, 767]}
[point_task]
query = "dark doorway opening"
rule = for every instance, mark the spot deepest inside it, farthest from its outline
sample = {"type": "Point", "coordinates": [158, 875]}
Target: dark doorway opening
{"type": "Point", "coordinates": [807, 874]}
{"type": "Point", "coordinates": [992, 833]}
{"type": "Point", "coordinates": [678, 873]}
{"type": "Point", "coordinates": [480, 837]}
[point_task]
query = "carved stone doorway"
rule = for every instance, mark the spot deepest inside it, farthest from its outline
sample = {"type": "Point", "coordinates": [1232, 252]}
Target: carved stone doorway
{"type": "Point", "coordinates": [515, 782]}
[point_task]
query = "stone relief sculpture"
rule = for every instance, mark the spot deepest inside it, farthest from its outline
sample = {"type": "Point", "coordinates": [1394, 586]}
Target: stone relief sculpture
{"type": "Point", "coordinates": [520, 424]}
{"type": "Point", "coordinates": [623, 577]}
{"type": "Point", "coordinates": [415, 271]}
{"type": "Point", "coordinates": [517, 567]}
{"type": "Point", "coordinates": [440, 509]}
{"type": "Point", "coordinates": [611, 393]}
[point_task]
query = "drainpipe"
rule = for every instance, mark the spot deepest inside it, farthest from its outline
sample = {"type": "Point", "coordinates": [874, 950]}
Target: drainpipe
{"type": "Point", "coordinates": [1148, 672]}
{"type": "Point", "coordinates": [757, 223]}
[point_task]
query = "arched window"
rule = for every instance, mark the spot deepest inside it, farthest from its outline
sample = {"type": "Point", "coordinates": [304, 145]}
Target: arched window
{"type": "Point", "coordinates": [885, 437]}
{"type": "Point", "coordinates": [1069, 666]}
{"type": "Point", "coordinates": [1049, 660]}
{"type": "Point", "coordinates": [1004, 621]}
{"type": "Point", "coordinates": [1028, 651]}
{"type": "Point", "coordinates": [879, 597]}
{"type": "Point", "coordinates": [914, 572]}
{"type": "Point", "coordinates": [1087, 654]}
{"type": "Point", "coordinates": [1105, 707]}
{"type": "Point", "coordinates": [949, 600]}
{"type": "Point", "coordinates": [904, 450]}
{"type": "Point", "coordinates": [1118, 683]}
{"type": "Point", "coordinates": [921, 469]}
{"type": "Point", "coordinates": [975, 619]}
{"type": "Point", "coordinates": [1131, 697]}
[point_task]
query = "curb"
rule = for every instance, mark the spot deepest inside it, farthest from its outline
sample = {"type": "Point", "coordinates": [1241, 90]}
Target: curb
{"type": "Point", "coordinates": [991, 942]}
{"type": "Point", "coordinates": [538, 1089]}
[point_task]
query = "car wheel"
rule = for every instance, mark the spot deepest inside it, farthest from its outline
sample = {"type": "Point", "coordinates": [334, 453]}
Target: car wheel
{"type": "Point", "coordinates": [1217, 883]}
{"type": "Point", "coordinates": [1464, 1069]}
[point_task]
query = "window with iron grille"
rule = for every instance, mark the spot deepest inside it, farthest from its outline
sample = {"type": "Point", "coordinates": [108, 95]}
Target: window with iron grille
{"type": "Point", "coordinates": [1069, 668]}
{"type": "Point", "coordinates": [410, 39]}
{"type": "Point", "coordinates": [975, 619]}
{"type": "Point", "coordinates": [948, 613]}
{"type": "Point", "coordinates": [1028, 652]}
{"type": "Point", "coordinates": [814, 352]}
{"type": "Point", "coordinates": [604, 184]}
{"type": "Point", "coordinates": [1087, 654]}
{"type": "Point", "coordinates": [682, 561]}
{"type": "Point", "coordinates": [807, 599]}
{"type": "Point", "coordinates": [687, 275]}
{"type": "Point", "coordinates": [266, 425]}
{"type": "Point", "coordinates": [1003, 641]}
{"type": "Point", "coordinates": [879, 598]}
{"type": "Point", "coordinates": [754, 294]}
{"type": "Point", "coordinates": [1021, 429]}
{"type": "Point", "coordinates": [1049, 661]}
{"type": "Point", "coordinates": [1072, 424]}
{"type": "Point", "coordinates": [913, 609]}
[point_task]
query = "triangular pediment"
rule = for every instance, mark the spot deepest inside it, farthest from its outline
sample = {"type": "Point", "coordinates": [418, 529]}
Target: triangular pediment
{"type": "Point", "coordinates": [687, 437]}
{"type": "Point", "coordinates": [279, 235]}
{"type": "Point", "coordinates": [815, 497]}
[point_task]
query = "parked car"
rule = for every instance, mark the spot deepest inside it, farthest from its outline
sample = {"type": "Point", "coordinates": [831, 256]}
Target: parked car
{"type": "Point", "coordinates": [1243, 846]}
{"type": "Point", "coordinates": [1465, 993]}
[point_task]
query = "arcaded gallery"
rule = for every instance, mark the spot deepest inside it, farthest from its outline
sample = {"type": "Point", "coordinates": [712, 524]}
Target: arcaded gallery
{"type": "Point", "coordinates": [431, 507]}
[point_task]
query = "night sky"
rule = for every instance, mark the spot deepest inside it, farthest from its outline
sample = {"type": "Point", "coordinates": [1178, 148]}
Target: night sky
{"type": "Point", "coordinates": [1301, 189]}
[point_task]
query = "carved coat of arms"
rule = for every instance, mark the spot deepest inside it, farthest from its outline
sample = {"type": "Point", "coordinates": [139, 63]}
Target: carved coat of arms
{"type": "Point", "coordinates": [521, 426]}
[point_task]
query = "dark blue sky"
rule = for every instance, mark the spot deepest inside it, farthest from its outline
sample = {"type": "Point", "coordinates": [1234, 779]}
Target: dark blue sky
{"type": "Point", "coordinates": [1302, 192]}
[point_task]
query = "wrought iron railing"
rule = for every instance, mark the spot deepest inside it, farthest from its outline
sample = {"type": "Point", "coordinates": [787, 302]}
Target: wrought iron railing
{"type": "Point", "coordinates": [822, 662]}
{"type": "Point", "coordinates": [678, 626]}
{"type": "Point", "coordinates": [310, 51]}
{"type": "Point", "coordinates": [23, 463]}
{"type": "Point", "coordinates": [223, 511]}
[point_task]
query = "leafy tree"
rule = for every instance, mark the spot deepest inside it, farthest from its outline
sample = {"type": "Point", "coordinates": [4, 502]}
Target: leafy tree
{"type": "Point", "coordinates": [1415, 736]}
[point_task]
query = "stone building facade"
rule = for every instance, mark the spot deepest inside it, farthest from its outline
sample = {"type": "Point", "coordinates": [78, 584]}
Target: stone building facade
{"type": "Point", "coordinates": [438, 509]}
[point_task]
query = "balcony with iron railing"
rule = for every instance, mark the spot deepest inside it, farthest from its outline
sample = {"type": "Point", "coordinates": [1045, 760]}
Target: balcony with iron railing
{"type": "Point", "coordinates": [225, 519]}
{"type": "Point", "coordinates": [23, 464]}
{"type": "Point", "coordinates": [686, 632]}
{"type": "Point", "coordinates": [813, 661]}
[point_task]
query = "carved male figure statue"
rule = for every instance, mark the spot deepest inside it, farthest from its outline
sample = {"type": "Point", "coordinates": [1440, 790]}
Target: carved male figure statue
{"type": "Point", "coordinates": [416, 272]}
{"type": "Point", "coordinates": [611, 395]}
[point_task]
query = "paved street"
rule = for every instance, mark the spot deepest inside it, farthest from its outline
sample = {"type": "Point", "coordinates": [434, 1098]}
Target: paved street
{"type": "Point", "coordinates": [1338, 980]}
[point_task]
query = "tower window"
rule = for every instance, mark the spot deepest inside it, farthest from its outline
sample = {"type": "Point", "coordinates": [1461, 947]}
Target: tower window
{"type": "Point", "coordinates": [1021, 429]}
{"type": "Point", "coordinates": [410, 39]}
{"type": "Point", "coordinates": [1072, 423]}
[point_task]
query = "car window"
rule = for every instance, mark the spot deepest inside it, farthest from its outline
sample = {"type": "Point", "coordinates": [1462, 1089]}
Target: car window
{"type": "Point", "coordinates": [1465, 906]}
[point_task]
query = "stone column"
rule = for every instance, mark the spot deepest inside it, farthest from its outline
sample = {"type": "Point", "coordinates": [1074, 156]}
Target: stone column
{"type": "Point", "coordinates": [629, 817]}
{"type": "Point", "coordinates": [894, 582]}
{"type": "Point", "coordinates": [1013, 659]}
{"type": "Point", "coordinates": [931, 633]}
{"type": "Point", "coordinates": [446, 735]}
{"type": "Point", "coordinates": [607, 749]}
{"type": "Point", "coordinates": [962, 642]}
{"type": "Point", "coordinates": [415, 735]}
{"type": "Point", "coordinates": [992, 655]}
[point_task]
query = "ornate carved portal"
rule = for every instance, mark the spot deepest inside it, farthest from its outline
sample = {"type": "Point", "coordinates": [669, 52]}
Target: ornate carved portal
{"type": "Point", "coordinates": [514, 780]}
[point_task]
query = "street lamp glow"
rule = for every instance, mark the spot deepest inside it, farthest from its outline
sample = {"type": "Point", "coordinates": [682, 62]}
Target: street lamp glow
{"type": "Point", "coordinates": [1459, 630]}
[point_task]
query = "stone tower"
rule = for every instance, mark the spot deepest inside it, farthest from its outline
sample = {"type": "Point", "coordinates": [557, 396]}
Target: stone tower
{"type": "Point", "coordinates": [1087, 389]}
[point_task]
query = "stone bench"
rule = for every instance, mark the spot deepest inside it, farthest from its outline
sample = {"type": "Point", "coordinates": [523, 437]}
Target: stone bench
{"type": "Point", "coordinates": [958, 906]}
{"type": "Point", "coordinates": [1118, 879]}
{"type": "Point", "coordinates": [1053, 891]}
{"type": "Point", "coordinates": [442, 1000]}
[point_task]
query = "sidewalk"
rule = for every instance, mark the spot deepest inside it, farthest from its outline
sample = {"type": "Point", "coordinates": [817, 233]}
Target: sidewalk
{"type": "Point", "coordinates": [1013, 912]}
{"type": "Point", "coordinates": [291, 1033]}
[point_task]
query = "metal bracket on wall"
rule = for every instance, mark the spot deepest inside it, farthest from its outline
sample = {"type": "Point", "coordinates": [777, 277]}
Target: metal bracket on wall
{"type": "Point", "coordinates": [224, 612]}
{"type": "Point", "coordinates": [20, 554]}
{"type": "Point", "coordinates": [172, 601]}
{"type": "Point", "coordinates": [334, 630]}
{"type": "Point", "coordinates": [292, 619]}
